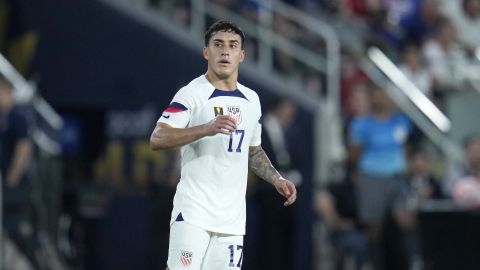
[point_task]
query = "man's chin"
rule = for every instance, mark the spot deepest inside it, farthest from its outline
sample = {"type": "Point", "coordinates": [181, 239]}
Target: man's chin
{"type": "Point", "coordinates": [224, 75]}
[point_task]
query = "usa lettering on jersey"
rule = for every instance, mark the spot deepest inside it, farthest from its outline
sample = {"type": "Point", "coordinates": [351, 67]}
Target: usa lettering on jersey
{"type": "Point", "coordinates": [235, 113]}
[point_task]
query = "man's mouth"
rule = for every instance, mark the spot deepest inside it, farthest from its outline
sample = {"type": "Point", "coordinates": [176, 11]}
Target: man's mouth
{"type": "Point", "coordinates": [224, 62]}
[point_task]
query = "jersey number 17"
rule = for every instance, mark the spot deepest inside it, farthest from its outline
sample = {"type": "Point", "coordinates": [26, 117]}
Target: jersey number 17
{"type": "Point", "coordinates": [236, 135]}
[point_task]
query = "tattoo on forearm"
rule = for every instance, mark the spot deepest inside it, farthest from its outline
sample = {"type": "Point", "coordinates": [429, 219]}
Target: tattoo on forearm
{"type": "Point", "coordinates": [261, 165]}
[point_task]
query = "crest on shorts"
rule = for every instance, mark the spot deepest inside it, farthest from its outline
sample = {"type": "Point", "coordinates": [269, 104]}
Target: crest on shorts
{"type": "Point", "coordinates": [218, 111]}
{"type": "Point", "coordinates": [235, 113]}
{"type": "Point", "coordinates": [186, 258]}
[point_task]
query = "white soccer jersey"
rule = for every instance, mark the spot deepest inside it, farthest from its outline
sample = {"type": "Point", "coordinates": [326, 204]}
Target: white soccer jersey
{"type": "Point", "coordinates": [211, 191]}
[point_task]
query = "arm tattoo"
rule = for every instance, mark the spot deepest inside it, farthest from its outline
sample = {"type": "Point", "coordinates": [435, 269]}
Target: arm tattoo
{"type": "Point", "coordinates": [261, 165]}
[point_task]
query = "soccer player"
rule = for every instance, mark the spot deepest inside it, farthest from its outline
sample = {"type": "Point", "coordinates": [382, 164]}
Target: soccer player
{"type": "Point", "coordinates": [216, 121]}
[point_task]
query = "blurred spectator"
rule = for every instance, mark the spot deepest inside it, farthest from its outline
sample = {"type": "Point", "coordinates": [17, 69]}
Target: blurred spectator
{"type": "Point", "coordinates": [362, 8]}
{"type": "Point", "coordinates": [351, 78]}
{"type": "Point", "coordinates": [358, 105]}
{"type": "Point", "coordinates": [420, 25]}
{"type": "Point", "coordinates": [336, 204]}
{"type": "Point", "coordinates": [376, 150]}
{"type": "Point", "coordinates": [314, 84]}
{"type": "Point", "coordinates": [286, 63]}
{"type": "Point", "coordinates": [359, 102]}
{"type": "Point", "coordinates": [466, 192]}
{"type": "Point", "coordinates": [412, 66]}
{"type": "Point", "coordinates": [178, 11]}
{"type": "Point", "coordinates": [387, 31]}
{"type": "Point", "coordinates": [465, 16]}
{"type": "Point", "coordinates": [421, 182]}
{"type": "Point", "coordinates": [445, 57]}
{"type": "Point", "coordinates": [462, 180]}
{"type": "Point", "coordinates": [287, 66]}
{"type": "Point", "coordinates": [15, 154]}
{"type": "Point", "coordinates": [249, 8]}
{"type": "Point", "coordinates": [399, 9]}
{"type": "Point", "coordinates": [276, 223]}
{"type": "Point", "coordinates": [420, 186]}
{"type": "Point", "coordinates": [181, 13]}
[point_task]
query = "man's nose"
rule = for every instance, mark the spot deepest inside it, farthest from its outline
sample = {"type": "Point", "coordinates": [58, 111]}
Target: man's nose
{"type": "Point", "coordinates": [225, 51]}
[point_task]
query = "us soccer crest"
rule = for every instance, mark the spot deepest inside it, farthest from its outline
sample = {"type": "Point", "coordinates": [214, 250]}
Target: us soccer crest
{"type": "Point", "coordinates": [186, 258]}
{"type": "Point", "coordinates": [235, 113]}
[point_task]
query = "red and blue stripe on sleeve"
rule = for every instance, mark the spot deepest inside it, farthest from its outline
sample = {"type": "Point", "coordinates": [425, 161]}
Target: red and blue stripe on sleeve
{"type": "Point", "coordinates": [175, 107]}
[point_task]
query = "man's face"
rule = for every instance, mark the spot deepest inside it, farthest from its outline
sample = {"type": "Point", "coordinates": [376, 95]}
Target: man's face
{"type": "Point", "coordinates": [224, 54]}
{"type": "Point", "coordinates": [380, 99]}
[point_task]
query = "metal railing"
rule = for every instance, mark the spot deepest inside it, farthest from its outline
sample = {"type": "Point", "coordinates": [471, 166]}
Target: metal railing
{"type": "Point", "coordinates": [428, 118]}
{"type": "Point", "coordinates": [418, 98]}
{"type": "Point", "coordinates": [25, 94]}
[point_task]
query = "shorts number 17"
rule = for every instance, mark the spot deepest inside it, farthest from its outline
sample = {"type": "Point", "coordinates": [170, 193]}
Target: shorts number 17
{"type": "Point", "coordinates": [232, 253]}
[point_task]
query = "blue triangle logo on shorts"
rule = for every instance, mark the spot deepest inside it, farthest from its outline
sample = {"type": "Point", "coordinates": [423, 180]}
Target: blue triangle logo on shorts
{"type": "Point", "coordinates": [179, 217]}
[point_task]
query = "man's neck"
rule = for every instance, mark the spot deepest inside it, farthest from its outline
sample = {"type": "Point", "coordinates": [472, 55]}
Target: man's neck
{"type": "Point", "coordinates": [228, 84]}
{"type": "Point", "coordinates": [381, 113]}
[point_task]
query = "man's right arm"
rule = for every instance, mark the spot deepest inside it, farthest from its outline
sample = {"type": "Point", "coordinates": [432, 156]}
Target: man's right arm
{"type": "Point", "coordinates": [165, 136]}
{"type": "Point", "coordinates": [20, 159]}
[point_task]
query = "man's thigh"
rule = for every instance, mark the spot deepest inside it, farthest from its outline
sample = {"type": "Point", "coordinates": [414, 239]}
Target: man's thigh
{"type": "Point", "coordinates": [225, 252]}
{"type": "Point", "coordinates": [187, 246]}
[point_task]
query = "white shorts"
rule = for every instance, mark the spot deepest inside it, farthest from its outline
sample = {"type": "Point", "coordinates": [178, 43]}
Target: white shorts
{"type": "Point", "coordinates": [193, 248]}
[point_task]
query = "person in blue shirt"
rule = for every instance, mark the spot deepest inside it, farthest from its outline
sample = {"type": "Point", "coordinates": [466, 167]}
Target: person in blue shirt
{"type": "Point", "coordinates": [377, 155]}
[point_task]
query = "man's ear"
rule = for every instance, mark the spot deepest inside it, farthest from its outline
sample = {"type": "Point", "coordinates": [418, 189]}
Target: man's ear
{"type": "Point", "coordinates": [242, 56]}
{"type": "Point", "coordinates": [205, 53]}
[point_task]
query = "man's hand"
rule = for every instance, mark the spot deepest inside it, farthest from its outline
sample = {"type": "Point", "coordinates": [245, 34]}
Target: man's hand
{"type": "Point", "coordinates": [166, 137]}
{"type": "Point", "coordinates": [220, 124]}
{"type": "Point", "coordinates": [286, 189]}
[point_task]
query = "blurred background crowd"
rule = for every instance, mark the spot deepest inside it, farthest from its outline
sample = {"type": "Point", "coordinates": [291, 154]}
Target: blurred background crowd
{"type": "Point", "coordinates": [370, 106]}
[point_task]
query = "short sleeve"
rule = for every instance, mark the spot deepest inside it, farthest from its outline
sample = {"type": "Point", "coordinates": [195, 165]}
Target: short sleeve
{"type": "Point", "coordinates": [257, 130]}
{"type": "Point", "coordinates": [177, 114]}
{"type": "Point", "coordinates": [20, 126]}
{"type": "Point", "coordinates": [357, 132]}
{"type": "Point", "coordinates": [257, 133]}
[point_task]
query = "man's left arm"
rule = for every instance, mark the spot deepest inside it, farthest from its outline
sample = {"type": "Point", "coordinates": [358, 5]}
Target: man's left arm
{"type": "Point", "coordinates": [263, 168]}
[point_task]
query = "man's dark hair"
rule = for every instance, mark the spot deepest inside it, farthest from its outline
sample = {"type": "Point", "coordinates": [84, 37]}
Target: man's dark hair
{"type": "Point", "coordinates": [224, 26]}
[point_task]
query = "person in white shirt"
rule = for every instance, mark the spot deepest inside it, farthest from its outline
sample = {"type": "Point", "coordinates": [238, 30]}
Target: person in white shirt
{"type": "Point", "coordinates": [415, 70]}
{"type": "Point", "coordinates": [217, 123]}
{"type": "Point", "coordinates": [445, 58]}
{"type": "Point", "coordinates": [465, 16]}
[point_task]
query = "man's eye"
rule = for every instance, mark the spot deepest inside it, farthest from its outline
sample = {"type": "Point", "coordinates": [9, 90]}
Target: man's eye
{"type": "Point", "coordinates": [217, 45]}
